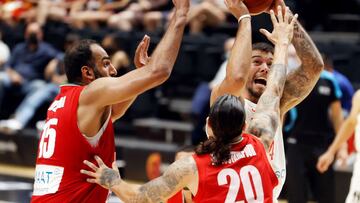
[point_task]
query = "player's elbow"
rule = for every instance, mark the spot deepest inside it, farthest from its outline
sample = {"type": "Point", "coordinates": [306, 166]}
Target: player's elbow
{"type": "Point", "coordinates": [161, 72]}
{"type": "Point", "coordinates": [237, 80]}
{"type": "Point", "coordinates": [319, 65]}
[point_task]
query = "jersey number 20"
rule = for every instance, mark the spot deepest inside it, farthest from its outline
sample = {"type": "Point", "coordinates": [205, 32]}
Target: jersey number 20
{"type": "Point", "coordinates": [48, 137]}
{"type": "Point", "coordinates": [242, 177]}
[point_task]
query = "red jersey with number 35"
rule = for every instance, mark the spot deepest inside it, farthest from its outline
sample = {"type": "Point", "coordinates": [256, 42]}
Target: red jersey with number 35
{"type": "Point", "coordinates": [62, 150]}
{"type": "Point", "coordinates": [246, 177]}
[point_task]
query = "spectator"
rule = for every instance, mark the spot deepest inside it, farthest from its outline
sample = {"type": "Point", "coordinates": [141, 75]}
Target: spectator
{"type": "Point", "coordinates": [133, 15]}
{"type": "Point", "coordinates": [24, 72]}
{"type": "Point", "coordinates": [206, 13]}
{"type": "Point", "coordinates": [319, 117]}
{"type": "Point", "coordinates": [118, 57]}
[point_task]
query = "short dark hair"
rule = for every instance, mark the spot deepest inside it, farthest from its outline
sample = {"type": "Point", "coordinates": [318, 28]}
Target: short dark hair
{"type": "Point", "coordinates": [263, 46]}
{"type": "Point", "coordinates": [76, 57]}
{"type": "Point", "coordinates": [227, 119]}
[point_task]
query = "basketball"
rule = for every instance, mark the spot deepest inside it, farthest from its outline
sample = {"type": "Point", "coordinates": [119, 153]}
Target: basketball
{"type": "Point", "coordinates": [257, 6]}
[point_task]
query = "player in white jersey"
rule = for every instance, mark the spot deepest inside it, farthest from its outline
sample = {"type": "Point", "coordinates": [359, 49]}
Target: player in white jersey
{"type": "Point", "coordinates": [351, 123]}
{"type": "Point", "coordinates": [247, 73]}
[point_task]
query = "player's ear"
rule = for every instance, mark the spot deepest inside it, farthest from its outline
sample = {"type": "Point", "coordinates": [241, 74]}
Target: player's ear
{"type": "Point", "coordinates": [208, 129]}
{"type": "Point", "coordinates": [87, 73]}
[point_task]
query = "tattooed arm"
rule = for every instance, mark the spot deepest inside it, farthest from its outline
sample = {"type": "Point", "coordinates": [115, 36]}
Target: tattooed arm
{"type": "Point", "coordinates": [180, 174]}
{"type": "Point", "coordinates": [267, 116]}
{"type": "Point", "coordinates": [301, 80]}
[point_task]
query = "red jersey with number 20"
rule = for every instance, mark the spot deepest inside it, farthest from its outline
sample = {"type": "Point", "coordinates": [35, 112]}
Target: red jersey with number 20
{"type": "Point", "coordinates": [246, 177]}
{"type": "Point", "coordinates": [62, 150]}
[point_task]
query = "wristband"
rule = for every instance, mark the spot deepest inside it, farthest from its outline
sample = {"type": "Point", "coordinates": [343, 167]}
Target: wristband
{"type": "Point", "coordinates": [244, 16]}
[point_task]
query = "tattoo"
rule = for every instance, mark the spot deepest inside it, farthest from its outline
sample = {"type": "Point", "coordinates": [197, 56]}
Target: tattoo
{"type": "Point", "coordinates": [264, 125]}
{"type": "Point", "coordinates": [267, 117]}
{"type": "Point", "coordinates": [301, 81]}
{"type": "Point", "coordinates": [175, 178]}
{"type": "Point", "coordinates": [109, 177]}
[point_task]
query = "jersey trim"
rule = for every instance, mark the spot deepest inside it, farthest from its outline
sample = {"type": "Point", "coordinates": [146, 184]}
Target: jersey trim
{"type": "Point", "coordinates": [93, 141]}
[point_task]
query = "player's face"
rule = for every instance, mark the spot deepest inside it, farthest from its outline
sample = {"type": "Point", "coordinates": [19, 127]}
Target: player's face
{"type": "Point", "coordinates": [260, 66]}
{"type": "Point", "coordinates": [103, 66]}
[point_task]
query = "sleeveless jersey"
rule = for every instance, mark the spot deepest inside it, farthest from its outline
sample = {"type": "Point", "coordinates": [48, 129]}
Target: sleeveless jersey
{"type": "Point", "coordinates": [246, 177]}
{"type": "Point", "coordinates": [62, 150]}
{"type": "Point", "coordinates": [277, 152]}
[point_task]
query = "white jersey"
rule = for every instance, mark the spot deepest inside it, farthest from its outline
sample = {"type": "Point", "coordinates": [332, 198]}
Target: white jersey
{"type": "Point", "coordinates": [277, 152]}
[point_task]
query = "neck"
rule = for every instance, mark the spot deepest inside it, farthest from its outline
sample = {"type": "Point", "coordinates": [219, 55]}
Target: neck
{"type": "Point", "coordinates": [251, 97]}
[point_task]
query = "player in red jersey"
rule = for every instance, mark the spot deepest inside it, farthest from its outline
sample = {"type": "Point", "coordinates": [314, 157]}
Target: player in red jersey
{"type": "Point", "coordinates": [231, 166]}
{"type": "Point", "coordinates": [79, 121]}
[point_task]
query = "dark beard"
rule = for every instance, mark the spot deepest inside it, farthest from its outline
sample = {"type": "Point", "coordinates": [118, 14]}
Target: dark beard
{"type": "Point", "coordinates": [97, 73]}
{"type": "Point", "coordinates": [255, 95]}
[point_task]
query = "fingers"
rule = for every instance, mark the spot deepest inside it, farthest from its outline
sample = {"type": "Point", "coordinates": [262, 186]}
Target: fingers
{"type": "Point", "coordinates": [90, 180]}
{"type": "Point", "coordinates": [147, 43]}
{"type": "Point", "coordinates": [99, 161]}
{"type": "Point", "coordinates": [273, 18]}
{"type": "Point", "coordinates": [114, 166]}
{"type": "Point", "coordinates": [323, 167]}
{"type": "Point", "coordinates": [89, 173]}
{"type": "Point", "coordinates": [286, 15]}
{"type": "Point", "coordinates": [292, 23]}
{"type": "Point", "coordinates": [266, 33]}
{"type": "Point", "coordinates": [280, 14]}
{"type": "Point", "coordinates": [91, 165]}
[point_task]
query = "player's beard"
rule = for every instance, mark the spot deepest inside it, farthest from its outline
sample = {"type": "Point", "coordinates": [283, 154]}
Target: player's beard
{"type": "Point", "coordinates": [255, 94]}
{"type": "Point", "coordinates": [97, 73]}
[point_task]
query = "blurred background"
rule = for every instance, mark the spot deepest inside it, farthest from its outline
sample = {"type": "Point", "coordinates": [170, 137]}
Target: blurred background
{"type": "Point", "coordinates": [165, 119]}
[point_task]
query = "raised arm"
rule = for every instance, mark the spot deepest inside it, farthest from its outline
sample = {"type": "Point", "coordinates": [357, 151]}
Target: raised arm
{"type": "Point", "coordinates": [108, 91]}
{"type": "Point", "coordinates": [141, 59]}
{"type": "Point", "coordinates": [301, 80]}
{"type": "Point", "coordinates": [240, 56]}
{"type": "Point", "coordinates": [267, 116]}
{"type": "Point", "coordinates": [342, 136]}
{"type": "Point", "coordinates": [180, 174]}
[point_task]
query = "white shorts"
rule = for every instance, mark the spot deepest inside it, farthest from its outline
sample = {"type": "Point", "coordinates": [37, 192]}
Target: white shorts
{"type": "Point", "coordinates": [354, 192]}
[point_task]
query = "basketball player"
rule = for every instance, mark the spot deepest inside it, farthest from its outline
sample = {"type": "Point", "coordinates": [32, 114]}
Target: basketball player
{"type": "Point", "coordinates": [351, 123]}
{"type": "Point", "coordinates": [247, 76]}
{"type": "Point", "coordinates": [79, 121]}
{"type": "Point", "coordinates": [231, 165]}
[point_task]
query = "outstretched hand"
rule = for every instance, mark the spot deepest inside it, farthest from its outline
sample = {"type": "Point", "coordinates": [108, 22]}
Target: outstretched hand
{"type": "Point", "coordinates": [141, 54]}
{"type": "Point", "coordinates": [324, 161]}
{"type": "Point", "coordinates": [283, 28]}
{"type": "Point", "coordinates": [101, 174]}
{"type": "Point", "coordinates": [237, 8]}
